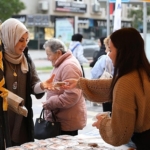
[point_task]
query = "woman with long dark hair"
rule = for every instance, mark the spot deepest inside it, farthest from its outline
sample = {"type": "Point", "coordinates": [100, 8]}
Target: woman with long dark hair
{"type": "Point", "coordinates": [129, 91]}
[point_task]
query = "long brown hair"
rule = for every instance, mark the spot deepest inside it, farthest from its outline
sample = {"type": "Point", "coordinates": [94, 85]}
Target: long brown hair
{"type": "Point", "coordinates": [130, 54]}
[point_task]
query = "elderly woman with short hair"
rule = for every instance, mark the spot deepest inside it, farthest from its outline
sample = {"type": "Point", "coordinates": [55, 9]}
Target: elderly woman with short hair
{"type": "Point", "coordinates": [68, 105]}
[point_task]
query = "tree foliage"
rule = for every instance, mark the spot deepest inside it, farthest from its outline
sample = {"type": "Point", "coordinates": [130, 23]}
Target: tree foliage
{"type": "Point", "coordinates": [137, 16]}
{"type": "Point", "coordinates": [9, 8]}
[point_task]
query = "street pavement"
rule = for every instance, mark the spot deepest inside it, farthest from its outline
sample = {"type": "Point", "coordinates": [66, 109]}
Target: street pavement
{"type": "Point", "coordinates": [40, 60]}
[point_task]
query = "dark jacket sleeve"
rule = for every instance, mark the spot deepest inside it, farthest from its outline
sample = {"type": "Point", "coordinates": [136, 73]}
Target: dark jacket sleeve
{"type": "Point", "coordinates": [34, 80]}
{"type": "Point", "coordinates": [100, 53]}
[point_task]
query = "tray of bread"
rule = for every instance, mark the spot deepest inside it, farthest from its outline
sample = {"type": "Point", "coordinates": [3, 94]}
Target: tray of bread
{"type": "Point", "coordinates": [66, 142]}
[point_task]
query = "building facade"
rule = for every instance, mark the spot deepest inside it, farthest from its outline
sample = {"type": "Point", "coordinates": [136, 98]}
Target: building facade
{"type": "Point", "coordinates": [62, 18]}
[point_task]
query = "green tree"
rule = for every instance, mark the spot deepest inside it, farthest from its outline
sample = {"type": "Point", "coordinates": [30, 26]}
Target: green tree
{"type": "Point", "coordinates": [9, 8]}
{"type": "Point", "coordinates": [137, 15]}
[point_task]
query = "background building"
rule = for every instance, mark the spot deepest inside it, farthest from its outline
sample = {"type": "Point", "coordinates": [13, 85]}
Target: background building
{"type": "Point", "coordinates": [62, 18]}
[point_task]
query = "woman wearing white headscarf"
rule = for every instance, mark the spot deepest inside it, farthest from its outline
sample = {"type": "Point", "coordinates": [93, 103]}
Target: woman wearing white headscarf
{"type": "Point", "coordinates": [21, 78]}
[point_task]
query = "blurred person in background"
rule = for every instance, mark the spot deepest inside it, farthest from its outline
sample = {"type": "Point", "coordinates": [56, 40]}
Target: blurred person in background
{"type": "Point", "coordinates": [77, 50]}
{"type": "Point", "coordinates": [68, 105]}
{"type": "Point", "coordinates": [100, 52]}
{"type": "Point", "coordinates": [104, 63]}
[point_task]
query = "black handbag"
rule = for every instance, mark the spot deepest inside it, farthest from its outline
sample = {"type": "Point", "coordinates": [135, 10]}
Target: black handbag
{"type": "Point", "coordinates": [45, 129]}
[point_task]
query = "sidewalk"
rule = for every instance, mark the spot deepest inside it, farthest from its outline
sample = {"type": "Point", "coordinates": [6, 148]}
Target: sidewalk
{"type": "Point", "coordinates": [38, 54]}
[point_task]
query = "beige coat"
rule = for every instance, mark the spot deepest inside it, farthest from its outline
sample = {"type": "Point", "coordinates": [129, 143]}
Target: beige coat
{"type": "Point", "coordinates": [131, 106]}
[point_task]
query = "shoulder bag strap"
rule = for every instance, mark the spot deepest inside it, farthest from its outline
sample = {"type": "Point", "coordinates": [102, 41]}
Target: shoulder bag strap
{"type": "Point", "coordinates": [75, 47]}
{"type": "Point", "coordinates": [42, 115]}
{"type": "Point", "coordinates": [53, 116]}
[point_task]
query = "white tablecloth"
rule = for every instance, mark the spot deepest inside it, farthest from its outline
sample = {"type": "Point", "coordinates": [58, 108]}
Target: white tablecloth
{"type": "Point", "coordinates": [102, 142]}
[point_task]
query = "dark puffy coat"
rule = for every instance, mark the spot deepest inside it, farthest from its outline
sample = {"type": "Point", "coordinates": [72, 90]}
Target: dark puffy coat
{"type": "Point", "coordinates": [100, 53]}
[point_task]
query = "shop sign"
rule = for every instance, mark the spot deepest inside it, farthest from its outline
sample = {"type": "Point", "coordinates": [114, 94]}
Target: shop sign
{"type": "Point", "coordinates": [21, 18]}
{"type": "Point", "coordinates": [38, 20]}
{"type": "Point", "coordinates": [71, 7]}
{"type": "Point", "coordinates": [100, 23]}
{"type": "Point", "coordinates": [83, 23]}
{"type": "Point", "coordinates": [122, 1]}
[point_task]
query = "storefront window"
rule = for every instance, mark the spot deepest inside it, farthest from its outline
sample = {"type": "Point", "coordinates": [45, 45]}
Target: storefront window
{"type": "Point", "coordinates": [39, 33]}
{"type": "Point", "coordinates": [49, 33]}
{"type": "Point", "coordinates": [31, 32]}
{"type": "Point", "coordinates": [92, 28]}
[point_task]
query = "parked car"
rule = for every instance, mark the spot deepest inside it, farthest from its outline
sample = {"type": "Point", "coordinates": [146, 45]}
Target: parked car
{"type": "Point", "coordinates": [90, 48]}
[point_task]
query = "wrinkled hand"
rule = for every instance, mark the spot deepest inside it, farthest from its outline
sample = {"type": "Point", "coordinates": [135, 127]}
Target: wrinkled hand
{"type": "Point", "coordinates": [44, 105]}
{"type": "Point", "coordinates": [48, 84]}
{"type": "Point", "coordinates": [99, 118]}
{"type": "Point", "coordinates": [70, 84]}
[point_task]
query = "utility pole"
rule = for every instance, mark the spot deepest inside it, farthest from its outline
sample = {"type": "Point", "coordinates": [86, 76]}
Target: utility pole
{"type": "Point", "coordinates": [76, 24]}
{"type": "Point", "coordinates": [108, 18]}
{"type": "Point", "coordinates": [144, 22]}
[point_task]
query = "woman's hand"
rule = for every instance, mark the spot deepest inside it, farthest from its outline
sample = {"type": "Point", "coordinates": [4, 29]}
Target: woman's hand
{"type": "Point", "coordinates": [48, 84]}
{"type": "Point", "coordinates": [99, 118]}
{"type": "Point", "coordinates": [70, 84]}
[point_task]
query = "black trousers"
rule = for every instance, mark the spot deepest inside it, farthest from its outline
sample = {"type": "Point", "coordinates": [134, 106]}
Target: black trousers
{"type": "Point", "coordinates": [15, 144]}
{"type": "Point", "coordinates": [107, 106]}
{"type": "Point", "coordinates": [73, 133]}
{"type": "Point", "coordinates": [142, 140]}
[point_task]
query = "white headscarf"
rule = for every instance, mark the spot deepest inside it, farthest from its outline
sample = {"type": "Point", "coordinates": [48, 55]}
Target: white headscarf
{"type": "Point", "coordinates": [11, 31]}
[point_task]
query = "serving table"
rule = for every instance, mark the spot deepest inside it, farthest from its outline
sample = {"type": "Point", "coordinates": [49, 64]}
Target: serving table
{"type": "Point", "coordinates": [66, 142]}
